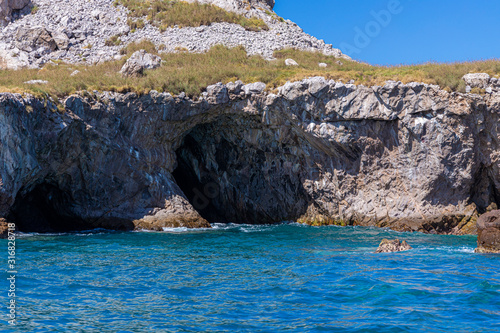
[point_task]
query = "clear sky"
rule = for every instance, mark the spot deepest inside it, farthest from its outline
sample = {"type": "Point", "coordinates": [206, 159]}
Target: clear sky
{"type": "Point", "coordinates": [401, 31]}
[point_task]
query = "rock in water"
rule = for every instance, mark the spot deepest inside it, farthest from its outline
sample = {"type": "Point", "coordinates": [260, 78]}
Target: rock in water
{"type": "Point", "coordinates": [138, 62]}
{"type": "Point", "coordinates": [3, 228]}
{"type": "Point", "coordinates": [394, 245]}
{"type": "Point", "coordinates": [488, 227]}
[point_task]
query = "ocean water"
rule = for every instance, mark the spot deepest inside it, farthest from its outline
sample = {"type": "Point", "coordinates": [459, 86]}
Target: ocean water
{"type": "Point", "coordinates": [242, 278]}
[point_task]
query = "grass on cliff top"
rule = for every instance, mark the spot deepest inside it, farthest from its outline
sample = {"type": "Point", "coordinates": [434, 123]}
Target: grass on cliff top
{"type": "Point", "coordinates": [191, 73]}
{"type": "Point", "coordinates": [168, 13]}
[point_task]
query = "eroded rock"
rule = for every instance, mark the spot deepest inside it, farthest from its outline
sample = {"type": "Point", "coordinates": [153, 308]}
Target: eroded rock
{"type": "Point", "coordinates": [138, 62]}
{"type": "Point", "coordinates": [36, 39]}
{"type": "Point", "coordinates": [477, 80]}
{"type": "Point", "coordinates": [488, 225]}
{"type": "Point", "coordinates": [8, 6]}
{"type": "Point", "coordinates": [316, 151]}
{"type": "Point", "coordinates": [394, 245]}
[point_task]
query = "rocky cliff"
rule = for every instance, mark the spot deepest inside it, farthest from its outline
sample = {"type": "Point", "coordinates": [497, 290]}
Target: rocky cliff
{"type": "Point", "coordinates": [79, 31]}
{"type": "Point", "coordinates": [409, 157]}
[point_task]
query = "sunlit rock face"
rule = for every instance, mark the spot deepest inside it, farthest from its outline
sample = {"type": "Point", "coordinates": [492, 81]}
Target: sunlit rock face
{"type": "Point", "coordinates": [408, 157]}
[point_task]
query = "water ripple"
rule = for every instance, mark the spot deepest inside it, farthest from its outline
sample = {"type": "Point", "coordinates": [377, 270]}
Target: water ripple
{"type": "Point", "coordinates": [247, 278]}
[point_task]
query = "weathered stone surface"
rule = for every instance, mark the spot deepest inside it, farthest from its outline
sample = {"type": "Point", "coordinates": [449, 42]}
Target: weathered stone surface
{"type": "Point", "coordinates": [477, 80]}
{"type": "Point", "coordinates": [61, 39]}
{"type": "Point", "coordinates": [407, 157]}
{"type": "Point", "coordinates": [95, 22]}
{"type": "Point", "coordinates": [394, 245]}
{"type": "Point", "coordinates": [6, 8]}
{"type": "Point", "coordinates": [138, 62]}
{"type": "Point", "coordinates": [36, 39]}
{"type": "Point", "coordinates": [291, 62]}
{"type": "Point", "coordinates": [4, 230]}
{"type": "Point", "coordinates": [488, 225]}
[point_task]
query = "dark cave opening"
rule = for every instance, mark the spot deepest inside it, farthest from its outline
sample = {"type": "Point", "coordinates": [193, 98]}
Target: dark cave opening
{"type": "Point", "coordinates": [230, 179]}
{"type": "Point", "coordinates": [198, 184]}
{"type": "Point", "coordinates": [45, 209]}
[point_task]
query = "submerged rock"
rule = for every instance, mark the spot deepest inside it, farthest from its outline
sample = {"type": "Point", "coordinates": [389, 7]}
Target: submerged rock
{"type": "Point", "coordinates": [394, 245]}
{"type": "Point", "coordinates": [488, 225]}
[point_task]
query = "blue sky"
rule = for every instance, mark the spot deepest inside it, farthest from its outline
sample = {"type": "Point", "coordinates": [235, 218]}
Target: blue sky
{"type": "Point", "coordinates": [401, 31]}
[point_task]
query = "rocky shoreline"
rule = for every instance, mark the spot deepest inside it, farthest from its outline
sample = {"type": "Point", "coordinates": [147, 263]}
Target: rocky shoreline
{"type": "Point", "coordinates": [408, 157]}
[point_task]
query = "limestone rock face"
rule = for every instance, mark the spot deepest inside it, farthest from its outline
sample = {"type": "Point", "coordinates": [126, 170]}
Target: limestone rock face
{"type": "Point", "coordinates": [138, 62]}
{"type": "Point", "coordinates": [6, 8]}
{"type": "Point", "coordinates": [488, 226]}
{"type": "Point", "coordinates": [387, 246]}
{"type": "Point", "coordinates": [76, 24]}
{"type": "Point", "coordinates": [35, 39]}
{"type": "Point", "coordinates": [408, 157]}
{"type": "Point", "coordinates": [477, 80]}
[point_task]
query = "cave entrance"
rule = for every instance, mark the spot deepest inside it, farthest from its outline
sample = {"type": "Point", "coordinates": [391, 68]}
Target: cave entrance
{"type": "Point", "coordinates": [198, 184]}
{"type": "Point", "coordinates": [228, 178]}
{"type": "Point", "coordinates": [44, 209]}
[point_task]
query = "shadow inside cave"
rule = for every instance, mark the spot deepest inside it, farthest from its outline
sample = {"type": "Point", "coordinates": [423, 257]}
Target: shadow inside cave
{"type": "Point", "coordinates": [45, 209]}
{"type": "Point", "coordinates": [228, 179]}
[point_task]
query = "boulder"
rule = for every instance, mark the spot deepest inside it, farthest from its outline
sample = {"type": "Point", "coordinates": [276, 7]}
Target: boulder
{"type": "Point", "coordinates": [12, 58]}
{"type": "Point", "coordinates": [323, 65]}
{"type": "Point", "coordinates": [61, 40]}
{"type": "Point", "coordinates": [488, 232]}
{"type": "Point", "coordinates": [394, 245]}
{"type": "Point", "coordinates": [291, 62]}
{"type": "Point", "coordinates": [477, 80]}
{"type": "Point", "coordinates": [35, 39]}
{"type": "Point", "coordinates": [8, 6]}
{"type": "Point", "coordinates": [138, 62]}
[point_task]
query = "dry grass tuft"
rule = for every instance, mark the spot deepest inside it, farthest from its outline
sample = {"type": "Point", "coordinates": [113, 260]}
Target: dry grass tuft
{"type": "Point", "coordinates": [168, 13]}
{"type": "Point", "coordinates": [192, 73]}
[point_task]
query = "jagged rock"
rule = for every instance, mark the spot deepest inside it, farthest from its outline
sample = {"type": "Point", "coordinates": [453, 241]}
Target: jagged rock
{"type": "Point", "coordinates": [138, 62]}
{"type": "Point", "coordinates": [395, 245]}
{"type": "Point", "coordinates": [104, 21]}
{"type": "Point", "coordinates": [291, 62]}
{"type": "Point", "coordinates": [323, 65]}
{"type": "Point", "coordinates": [12, 58]}
{"type": "Point", "coordinates": [35, 39]}
{"type": "Point", "coordinates": [254, 88]}
{"type": "Point", "coordinates": [61, 39]}
{"type": "Point", "coordinates": [488, 225]}
{"type": "Point", "coordinates": [3, 228]}
{"type": "Point", "coordinates": [6, 8]}
{"type": "Point", "coordinates": [315, 151]}
{"type": "Point", "coordinates": [217, 93]}
{"type": "Point", "coordinates": [477, 80]}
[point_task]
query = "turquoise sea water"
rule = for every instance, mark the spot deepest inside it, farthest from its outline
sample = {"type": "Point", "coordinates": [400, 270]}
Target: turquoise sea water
{"type": "Point", "coordinates": [288, 277]}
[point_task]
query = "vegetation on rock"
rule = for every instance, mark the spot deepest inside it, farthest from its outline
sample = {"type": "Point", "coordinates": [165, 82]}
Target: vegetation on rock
{"type": "Point", "coordinates": [167, 13]}
{"type": "Point", "coordinates": [192, 73]}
